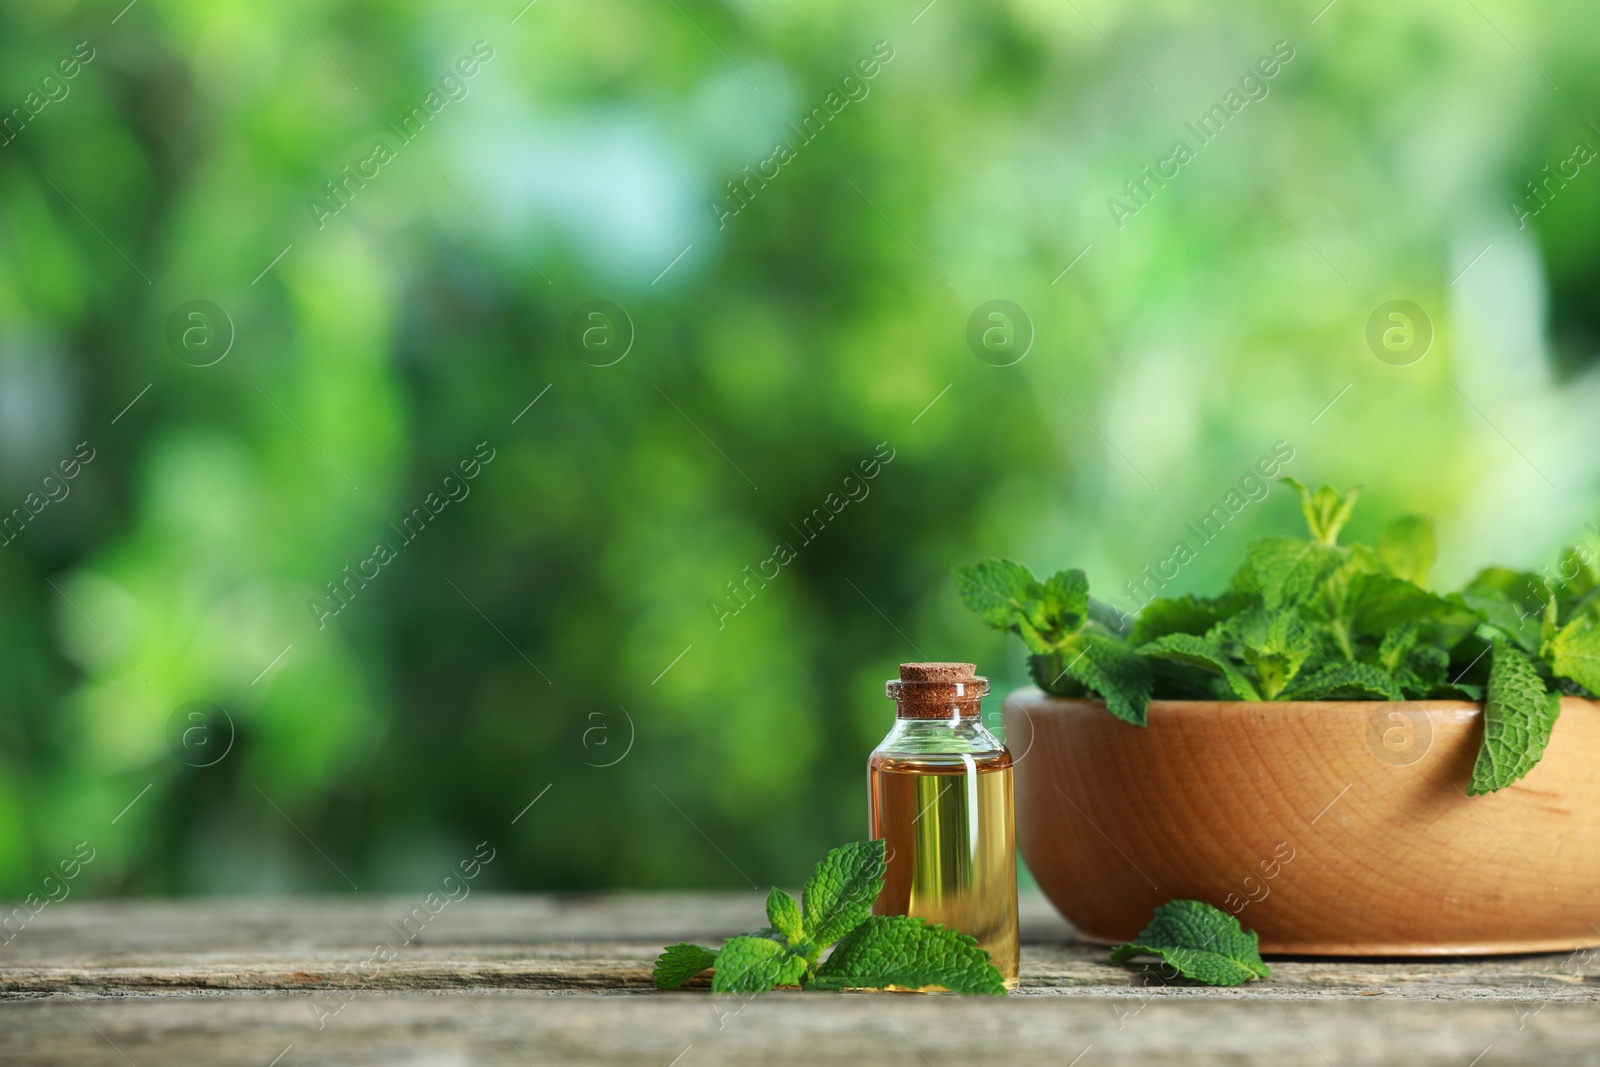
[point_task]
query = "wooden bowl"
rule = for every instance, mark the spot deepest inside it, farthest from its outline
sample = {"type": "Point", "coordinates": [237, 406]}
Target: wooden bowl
{"type": "Point", "coordinates": [1330, 828]}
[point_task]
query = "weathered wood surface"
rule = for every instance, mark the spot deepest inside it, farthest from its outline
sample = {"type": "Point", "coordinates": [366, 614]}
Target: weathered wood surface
{"type": "Point", "coordinates": [556, 980]}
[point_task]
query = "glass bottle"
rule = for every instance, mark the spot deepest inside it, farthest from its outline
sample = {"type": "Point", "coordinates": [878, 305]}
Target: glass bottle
{"type": "Point", "coordinates": [941, 798]}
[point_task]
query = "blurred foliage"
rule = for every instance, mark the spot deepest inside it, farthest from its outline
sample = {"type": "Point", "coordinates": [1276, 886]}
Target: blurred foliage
{"type": "Point", "coordinates": [564, 609]}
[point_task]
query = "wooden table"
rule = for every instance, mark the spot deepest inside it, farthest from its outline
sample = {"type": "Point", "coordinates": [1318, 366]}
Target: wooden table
{"type": "Point", "coordinates": [566, 979]}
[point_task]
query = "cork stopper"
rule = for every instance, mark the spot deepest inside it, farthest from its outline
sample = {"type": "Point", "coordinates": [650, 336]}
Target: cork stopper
{"type": "Point", "coordinates": [938, 672]}
{"type": "Point", "coordinates": [937, 690]}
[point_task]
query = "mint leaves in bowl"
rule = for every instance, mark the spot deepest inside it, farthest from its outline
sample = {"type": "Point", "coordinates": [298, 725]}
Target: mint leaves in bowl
{"type": "Point", "coordinates": [1424, 759]}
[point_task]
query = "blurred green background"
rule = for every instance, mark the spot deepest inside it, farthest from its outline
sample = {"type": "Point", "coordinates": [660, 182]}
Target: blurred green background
{"type": "Point", "coordinates": [563, 630]}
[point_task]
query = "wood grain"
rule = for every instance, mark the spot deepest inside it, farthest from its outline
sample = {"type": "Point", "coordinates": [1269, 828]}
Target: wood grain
{"type": "Point", "coordinates": [1386, 854]}
{"type": "Point", "coordinates": [558, 980]}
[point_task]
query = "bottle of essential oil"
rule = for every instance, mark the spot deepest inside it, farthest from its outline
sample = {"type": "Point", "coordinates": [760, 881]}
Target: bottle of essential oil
{"type": "Point", "coordinates": [941, 800]}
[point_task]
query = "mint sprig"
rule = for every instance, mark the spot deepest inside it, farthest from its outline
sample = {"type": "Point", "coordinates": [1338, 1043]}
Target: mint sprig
{"type": "Point", "coordinates": [1308, 618]}
{"type": "Point", "coordinates": [872, 951]}
{"type": "Point", "coordinates": [839, 894]}
{"type": "Point", "coordinates": [1074, 653]}
{"type": "Point", "coordinates": [1199, 941]}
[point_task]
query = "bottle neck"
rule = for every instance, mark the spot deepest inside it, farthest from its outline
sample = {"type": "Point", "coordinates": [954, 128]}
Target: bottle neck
{"type": "Point", "coordinates": [953, 734]}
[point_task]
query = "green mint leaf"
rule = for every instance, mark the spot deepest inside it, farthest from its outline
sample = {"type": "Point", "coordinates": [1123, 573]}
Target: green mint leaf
{"type": "Point", "coordinates": [1518, 716]}
{"type": "Point", "coordinates": [1181, 681]}
{"type": "Point", "coordinates": [1575, 580]}
{"type": "Point", "coordinates": [1519, 627]}
{"type": "Point", "coordinates": [755, 965]}
{"type": "Point", "coordinates": [792, 973]}
{"type": "Point", "coordinates": [1113, 621]}
{"type": "Point", "coordinates": [1397, 645]}
{"type": "Point", "coordinates": [1424, 673]}
{"type": "Point", "coordinates": [1470, 659]}
{"type": "Point", "coordinates": [784, 915]}
{"type": "Point", "coordinates": [1204, 943]}
{"type": "Point", "coordinates": [1272, 642]}
{"type": "Point", "coordinates": [907, 952]}
{"type": "Point", "coordinates": [998, 591]}
{"type": "Point", "coordinates": [1103, 666]}
{"type": "Point", "coordinates": [841, 890]}
{"type": "Point", "coordinates": [1207, 655]}
{"type": "Point", "coordinates": [1285, 572]}
{"type": "Point", "coordinates": [1408, 548]}
{"type": "Point", "coordinates": [681, 962]}
{"type": "Point", "coordinates": [1049, 671]}
{"type": "Point", "coordinates": [1183, 615]}
{"type": "Point", "coordinates": [1344, 681]}
{"type": "Point", "coordinates": [1066, 600]}
{"type": "Point", "coordinates": [1006, 595]}
{"type": "Point", "coordinates": [1521, 587]}
{"type": "Point", "coordinates": [1574, 652]}
{"type": "Point", "coordinates": [1326, 510]}
{"type": "Point", "coordinates": [1510, 601]}
{"type": "Point", "coordinates": [1378, 604]}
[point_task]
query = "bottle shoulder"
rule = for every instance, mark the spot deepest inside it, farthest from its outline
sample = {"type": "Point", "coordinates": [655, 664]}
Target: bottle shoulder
{"type": "Point", "coordinates": [940, 737]}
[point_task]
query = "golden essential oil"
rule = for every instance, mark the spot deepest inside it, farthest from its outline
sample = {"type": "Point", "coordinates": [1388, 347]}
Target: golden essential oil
{"type": "Point", "coordinates": [941, 798]}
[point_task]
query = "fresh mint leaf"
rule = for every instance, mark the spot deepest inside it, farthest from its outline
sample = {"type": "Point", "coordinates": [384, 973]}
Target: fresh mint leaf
{"type": "Point", "coordinates": [1284, 571]}
{"type": "Point", "coordinates": [1102, 666]}
{"type": "Point", "coordinates": [1113, 621]}
{"type": "Point", "coordinates": [1205, 654]}
{"type": "Point", "coordinates": [1345, 681]}
{"type": "Point", "coordinates": [1521, 628]}
{"type": "Point", "coordinates": [1520, 587]}
{"type": "Point", "coordinates": [840, 893]}
{"type": "Point", "coordinates": [681, 962]}
{"type": "Point", "coordinates": [1326, 510]}
{"type": "Point", "coordinates": [784, 915]}
{"type": "Point", "coordinates": [1574, 652]}
{"type": "Point", "coordinates": [1575, 580]}
{"type": "Point", "coordinates": [1203, 942]}
{"type": "Point", "coordinates": [755, 965]}
{"type": "Point", "coordinates": [1397, 645]}
{"type": "Point", "coordinates": [1066, 600]}
{"type": "Point", "coordinates": [908, 953]}
{"type": "Point", "coordinates": [1518, 716]}
{"type": "Point", "coordinates": [1049, 672]}
{"type": "Point", "coordinates": [1007, 596]}
{"type": "Point", "coordinates": [1408, 548]}
{"type": "Point", "coordinates": [1549, 622]}
{"type": "Point", "coordinates": [1181, 681]}
{"type": "Point", "coordinates": [1428, 675]}
{"type": "Point", "coordinates": [1273, 643]}
{"type": "Point", "coordinates": [998, 591]}
{"type": "Point", "coordinates": [1183, 615]}
{"type": "Point", "coordinates": [1380, 603]}
{"type": "Point", "coordinates": [1510, 601]}
{"type": "Point", "coordinates": [1422, 673]}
